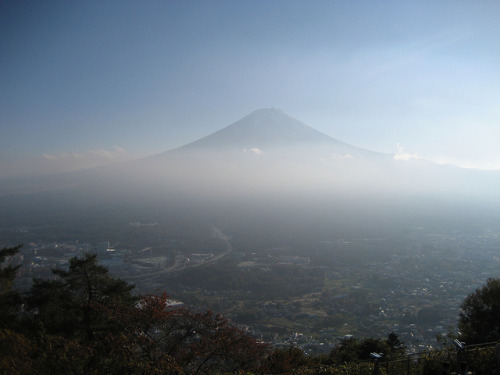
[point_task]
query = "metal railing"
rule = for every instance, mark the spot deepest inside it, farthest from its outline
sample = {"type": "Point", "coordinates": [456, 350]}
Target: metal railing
{"type": "Point", "coordinates": [460, 359]}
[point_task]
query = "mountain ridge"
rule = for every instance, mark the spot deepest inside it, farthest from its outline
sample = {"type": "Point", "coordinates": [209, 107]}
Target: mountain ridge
{"type": "Point", "coordinates": [271, 129]}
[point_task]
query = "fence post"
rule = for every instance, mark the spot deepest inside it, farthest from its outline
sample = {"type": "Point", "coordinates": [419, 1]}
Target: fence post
{"type": "Point", "coordinates": [376, 367]}
{"type": "Point", "coordinates": [461, 365]}
{"type": "Point", "coordinates": [497, 355]}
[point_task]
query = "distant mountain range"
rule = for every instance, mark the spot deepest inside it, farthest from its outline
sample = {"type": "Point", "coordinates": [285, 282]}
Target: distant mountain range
{"type": "Point", "coordinates": [268, 150]}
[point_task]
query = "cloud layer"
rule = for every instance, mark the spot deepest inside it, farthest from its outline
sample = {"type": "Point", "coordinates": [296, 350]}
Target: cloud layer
{"type": "Point", "coordinates": [401, 155]}
{"type": "Point", "coordinates": [63, 162]}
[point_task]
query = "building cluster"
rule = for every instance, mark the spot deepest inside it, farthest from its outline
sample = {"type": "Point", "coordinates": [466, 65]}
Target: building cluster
{"type": "Point", "coordinates": [415, 293]}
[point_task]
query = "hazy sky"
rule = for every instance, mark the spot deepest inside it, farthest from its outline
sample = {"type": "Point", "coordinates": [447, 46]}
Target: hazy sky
{"type": "Point", "coordinates": [89, 81]}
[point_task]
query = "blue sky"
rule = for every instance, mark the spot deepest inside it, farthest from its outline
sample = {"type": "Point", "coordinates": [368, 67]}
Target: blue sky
{"type": "Point", "coordinates": [87, 82]}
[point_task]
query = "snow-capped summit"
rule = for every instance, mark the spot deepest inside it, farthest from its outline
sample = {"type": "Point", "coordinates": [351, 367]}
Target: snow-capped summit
{"type": "Point", "coordinates": [271, 129]}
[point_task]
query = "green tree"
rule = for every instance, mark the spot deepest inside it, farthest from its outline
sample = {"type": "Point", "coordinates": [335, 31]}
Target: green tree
{"type": "Point", "coordinates": [394, 345]}
{"type": "Point", "coordinates": [347, 351]}
{"type": "Point", "coordinates": [10, 299]}
{"type": "Point", "coordinates": [480, 314]}
{"type": "Point", "coordinates": [75, 304]}
{"type": "Point", "coordinates": [353, 350]}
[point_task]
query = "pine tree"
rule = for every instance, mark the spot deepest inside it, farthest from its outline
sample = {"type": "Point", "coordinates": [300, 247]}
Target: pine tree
{"type": "Point", "coordinates": [76, 303]}
{"type": "Point", "coordinates": [480, 314]}
{"type": "Point", "coordinates": [10, 299]}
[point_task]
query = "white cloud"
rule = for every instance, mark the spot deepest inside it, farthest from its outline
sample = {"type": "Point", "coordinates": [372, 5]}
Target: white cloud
{"type": "Point", "coordinates": [400, 155]}
{"type": "Point", "coordinates": [255, 150]}
{"type": "Point", "coordinates": [338, 156]}
{"type": "Point", "coordinates": [63, 162]}
{"type": "Point", "coordinates": [115, 154]}
{"type": "Point", "coordinates": [479, 164]}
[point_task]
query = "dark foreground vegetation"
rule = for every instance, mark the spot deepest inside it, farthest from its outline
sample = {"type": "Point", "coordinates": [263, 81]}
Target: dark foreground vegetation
{"type": "Point", "coordinates": [83, 321]}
